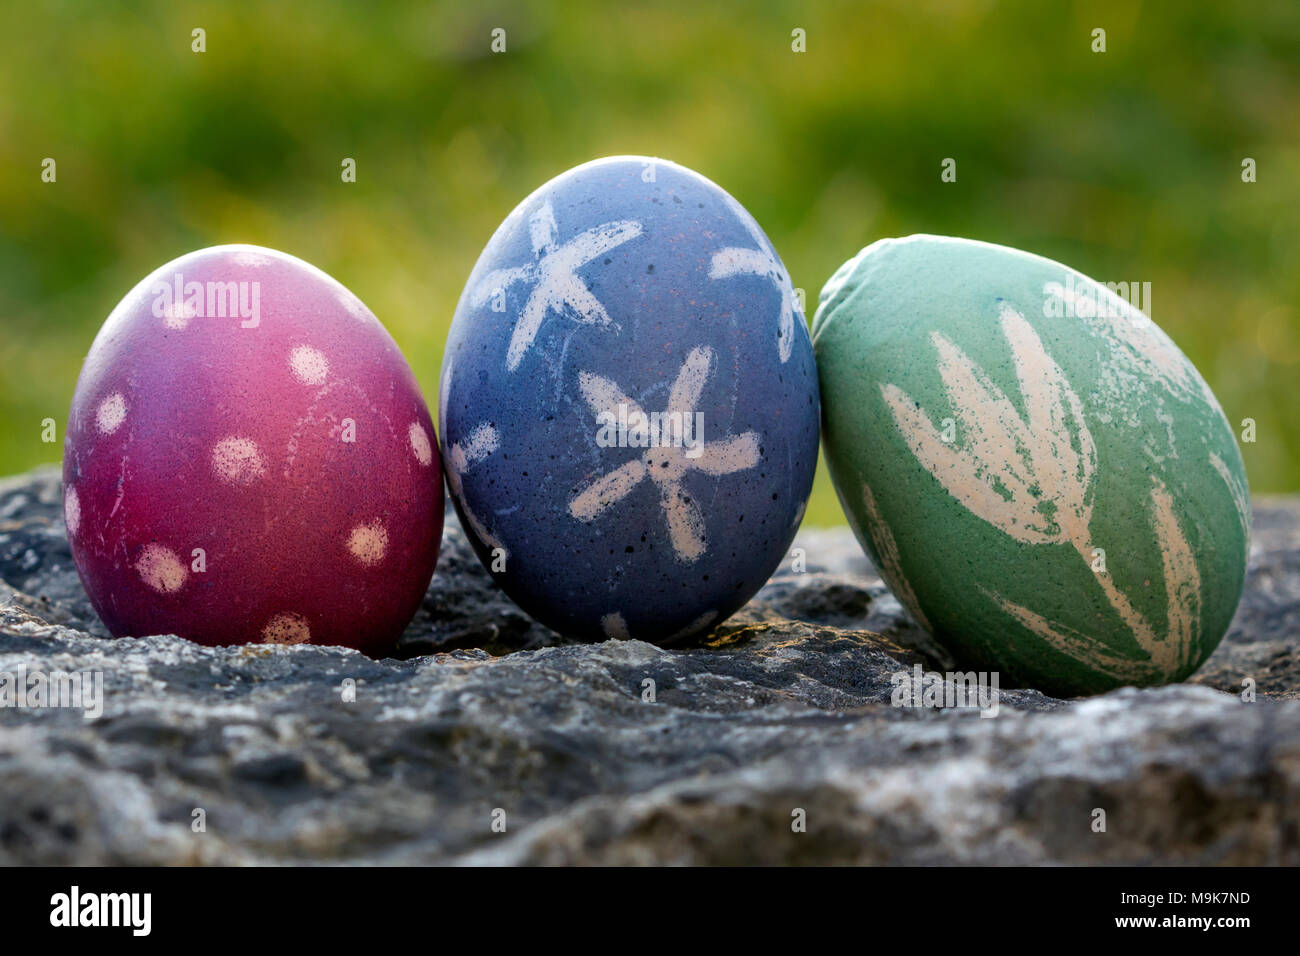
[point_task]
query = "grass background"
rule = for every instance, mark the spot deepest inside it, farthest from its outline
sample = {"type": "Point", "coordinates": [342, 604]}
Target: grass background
{"type": "Point", "coordinates": [1126, 165]}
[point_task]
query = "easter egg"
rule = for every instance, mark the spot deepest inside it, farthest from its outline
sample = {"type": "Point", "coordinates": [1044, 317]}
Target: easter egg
{"type": "Point", "coordinates": [249, 460]}
{"type": "Point", "coordinates": [1043, 479]}
{"type": "Point", "coordinates": [629, 409]}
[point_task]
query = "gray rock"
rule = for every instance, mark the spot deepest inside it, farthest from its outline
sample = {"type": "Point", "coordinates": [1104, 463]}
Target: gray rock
{"type": "Point", "coordinates": [781, 717]}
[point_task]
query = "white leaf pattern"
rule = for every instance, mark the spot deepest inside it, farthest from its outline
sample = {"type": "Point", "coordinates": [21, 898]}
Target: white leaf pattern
{"type": "Point", "coordinates": [1032, 478]}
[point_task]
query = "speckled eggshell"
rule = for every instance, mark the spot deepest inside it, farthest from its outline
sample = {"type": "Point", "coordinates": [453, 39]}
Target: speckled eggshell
{"type": "Point", "coordinates": [210, 489]}
{"type": "Point", "coordinates": [997, 439]}
{"type": "Point", "coordinates": [635, 282]}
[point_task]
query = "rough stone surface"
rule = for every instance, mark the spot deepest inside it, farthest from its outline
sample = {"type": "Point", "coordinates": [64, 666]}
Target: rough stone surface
{"type": "Point", "coordinates": [784, 708]}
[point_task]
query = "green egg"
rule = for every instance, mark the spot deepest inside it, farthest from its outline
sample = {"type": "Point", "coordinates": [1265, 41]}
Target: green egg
{"type": "Point", "coordinates": [1044, 480]}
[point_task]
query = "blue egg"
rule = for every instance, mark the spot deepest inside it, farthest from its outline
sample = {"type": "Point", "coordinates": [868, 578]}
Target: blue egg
{"type": "Point", "coordinates": [629, 412]}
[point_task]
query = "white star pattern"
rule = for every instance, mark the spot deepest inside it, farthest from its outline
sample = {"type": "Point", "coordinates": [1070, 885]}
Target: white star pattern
{"type": "Point", "coordinates": [555, 274]}
{"type": "Point", "coordinates": [762, 261]}
{"type": "Point", "coordinates": [697, 625]}
{"type": "Point", "coordinates": [668, 463]}
{"type": "Point", "coordinates": [615, 627]}
{"type": "Point", "coordinates": [482, 441]}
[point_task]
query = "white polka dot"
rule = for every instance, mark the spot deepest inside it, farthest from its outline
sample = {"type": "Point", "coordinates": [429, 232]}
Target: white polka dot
{"type": "Point", "coordinates": [309, 365]}
{"type": "Point", "coordinates": [111, 413]}
{"type": "Point", "coordinates": [420, 443]}
{"type": "Point", "coordinates": [238, 460]}
{"type": "Point", "coordinates": [369, 542]}
{"type": "Point", "coordinates": [177, 315]}
{"type": "Point", "coordinates": [71, 511]}
{"type": "Point", "coordinates": [286, 628]}
{"type": "Point", "coordinates": [161, 569]}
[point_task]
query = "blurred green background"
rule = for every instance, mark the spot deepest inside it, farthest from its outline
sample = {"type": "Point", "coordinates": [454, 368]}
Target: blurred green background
{"type": "Point", "coordinates": [1124, 164]}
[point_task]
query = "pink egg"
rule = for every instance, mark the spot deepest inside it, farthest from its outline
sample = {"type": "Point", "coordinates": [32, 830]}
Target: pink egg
{"type": "Point", "coordinates": [249, 460]}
